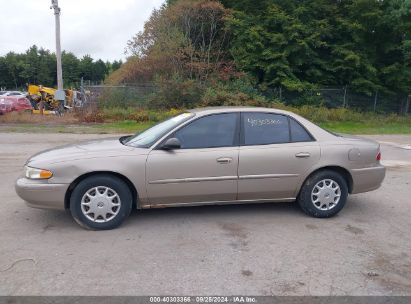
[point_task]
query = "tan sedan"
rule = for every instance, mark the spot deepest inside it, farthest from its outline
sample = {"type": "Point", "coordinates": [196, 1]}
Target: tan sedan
{"type": "Point", "coordinates": [204, 156]}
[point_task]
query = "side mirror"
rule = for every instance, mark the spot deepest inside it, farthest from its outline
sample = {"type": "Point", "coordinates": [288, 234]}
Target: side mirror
{"type": "Point", "coordinates": [171, 144]}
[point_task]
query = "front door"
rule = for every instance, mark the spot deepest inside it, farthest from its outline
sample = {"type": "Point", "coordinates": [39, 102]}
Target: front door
{"type": "Point", "coordinates": [203, 170]}
{"type": "Point", "coordinates": [276, 150]}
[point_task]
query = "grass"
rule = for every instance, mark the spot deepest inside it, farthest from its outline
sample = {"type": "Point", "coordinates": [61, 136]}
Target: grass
{"type": "Point", "coordinates": [126, 126]}
{"type": "Point", "coordinates": [84, 128]}
{"type": "Point", "coordinates": [351, 127]}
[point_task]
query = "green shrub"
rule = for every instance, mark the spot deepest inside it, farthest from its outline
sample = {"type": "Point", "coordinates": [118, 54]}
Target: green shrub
{"type": "Point", "coordinates": [113, 114]}
{"type": "Point", "coordinates": [116, 113]}
{"type": "Point", "coordinates": [175, 92]}
{"type": "Point", "coordinates": [213, 98]}
{"type": "Point", "coordinates": [239, 92]}
{"type": "Point", "coordinates": [324, 115]}
{"type": "Point", "coordinates": [311, 98]}
{"type": "Point", "coordinates": [123, 97]}
{"type": "Point", "coordinates": [139, 116]}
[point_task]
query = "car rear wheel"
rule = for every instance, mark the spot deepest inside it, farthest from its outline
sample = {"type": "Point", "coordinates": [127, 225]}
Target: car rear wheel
{"type": "Point", "coordinates": [101, 202]}
{"type": "Point", "coordinates": [323, 194]}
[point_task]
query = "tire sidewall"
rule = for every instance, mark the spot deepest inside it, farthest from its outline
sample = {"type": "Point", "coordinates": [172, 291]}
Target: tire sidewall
{"type": "Point", "coordinates": [304, 198]}
{"type": "Point", "coordinates": [101, 180]}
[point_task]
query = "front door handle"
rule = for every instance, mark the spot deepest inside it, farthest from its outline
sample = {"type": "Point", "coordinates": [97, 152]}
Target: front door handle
{"type": "Point", "coordinates": [224, 160]}
{"type": "Point", "coordinates": [303, 155]}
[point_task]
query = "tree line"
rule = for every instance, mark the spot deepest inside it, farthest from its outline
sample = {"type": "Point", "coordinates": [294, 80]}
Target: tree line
{"type": "Point", "coordinates": [38, 66]}
{"type": "Point", "coordinates": [364, 44]}
{"type": "Point", "coordinates": [210, 50]}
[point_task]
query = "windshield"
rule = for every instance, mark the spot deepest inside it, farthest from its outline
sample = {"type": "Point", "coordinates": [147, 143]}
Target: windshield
{"type": "Point", "coordinates": [150, 136]}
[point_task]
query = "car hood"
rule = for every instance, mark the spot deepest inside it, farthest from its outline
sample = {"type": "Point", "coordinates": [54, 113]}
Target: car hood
{"type": "Point", "coordinates": [110, 147]}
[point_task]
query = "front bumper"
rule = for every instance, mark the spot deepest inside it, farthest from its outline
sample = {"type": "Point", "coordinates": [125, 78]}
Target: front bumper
{"type": "Point", "coordinates": [367, 179]}
{"type": "Point", "coordinates": [39, 194]}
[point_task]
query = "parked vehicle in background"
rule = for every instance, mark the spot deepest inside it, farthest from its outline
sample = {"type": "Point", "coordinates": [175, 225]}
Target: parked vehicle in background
{"type": "Point", "coordinates": [206, 156]}
{"type": "Point", "coordinates": [20, 103]}
{"type": "Point", "coordinates": [14, 103]}
{"type": "Point", "coordinates": [12, 93]}
{"type": "Point", "coordinates": [5, 106]}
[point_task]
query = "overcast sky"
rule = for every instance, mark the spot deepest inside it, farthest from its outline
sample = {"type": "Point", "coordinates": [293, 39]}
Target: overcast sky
{"type": "Point", "coordinates": [99, 28]}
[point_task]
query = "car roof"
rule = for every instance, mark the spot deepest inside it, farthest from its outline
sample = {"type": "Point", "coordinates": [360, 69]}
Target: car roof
{"type": "Point", "coordinates": [225, 109]}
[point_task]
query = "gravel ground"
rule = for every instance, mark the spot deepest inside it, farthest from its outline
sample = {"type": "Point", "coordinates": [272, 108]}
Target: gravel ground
{"type": "Point", "coordinates": [261, 249]}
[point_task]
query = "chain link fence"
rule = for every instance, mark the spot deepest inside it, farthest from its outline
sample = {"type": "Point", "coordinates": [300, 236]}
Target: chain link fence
{"type": "Point", "coordinates": [330, 96]}
{"type": "Point", "coordinates": [343, 97]}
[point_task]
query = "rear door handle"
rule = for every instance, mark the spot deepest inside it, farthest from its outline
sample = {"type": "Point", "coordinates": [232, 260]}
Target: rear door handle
{"type": "Point", "coordinates": [303, 155]}
{"type": "Point", "coordinates": [224, 160]}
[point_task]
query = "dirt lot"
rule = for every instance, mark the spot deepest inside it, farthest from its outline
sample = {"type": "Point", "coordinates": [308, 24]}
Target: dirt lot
{"type": "Point", "coordinates": [264, 249]}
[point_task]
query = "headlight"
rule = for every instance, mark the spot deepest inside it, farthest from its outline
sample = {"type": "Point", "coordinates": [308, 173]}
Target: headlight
{"type": "Point", "coordinates": [34, 173]}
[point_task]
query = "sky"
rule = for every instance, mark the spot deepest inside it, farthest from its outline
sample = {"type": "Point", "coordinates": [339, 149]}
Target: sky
{"type": "Point", "coordinates": [99, 28]}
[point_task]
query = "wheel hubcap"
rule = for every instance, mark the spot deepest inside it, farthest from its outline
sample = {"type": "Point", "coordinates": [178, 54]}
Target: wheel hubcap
{"type": "Point", "coordinates": [326, 194]}
{"type": "Point", "coordinates": [100, 204]}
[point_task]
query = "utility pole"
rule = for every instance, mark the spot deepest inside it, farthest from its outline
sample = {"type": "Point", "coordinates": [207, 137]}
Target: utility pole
{"type": "Point", "coordinates": [60, 95]}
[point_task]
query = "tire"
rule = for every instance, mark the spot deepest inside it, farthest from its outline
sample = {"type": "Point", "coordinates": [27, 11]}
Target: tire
{"type": "Point", "coordinates": [112, 203]}
{"type": "Point", "coordinates": [323, 203]}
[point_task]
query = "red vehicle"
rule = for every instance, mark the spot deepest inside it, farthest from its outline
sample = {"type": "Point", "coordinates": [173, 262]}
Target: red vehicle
{"type": "Point", "coordinates": [14, 103]}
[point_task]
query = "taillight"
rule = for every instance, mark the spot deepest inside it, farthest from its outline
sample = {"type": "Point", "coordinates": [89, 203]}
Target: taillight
{"type": "Point", "coordinates": [378, 157]}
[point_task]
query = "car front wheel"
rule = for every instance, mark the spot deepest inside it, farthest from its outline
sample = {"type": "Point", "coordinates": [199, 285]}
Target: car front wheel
{"type": "Point", "coordinates": [101, 202]}
{"type": "Point", "coordinates": [323, 194]}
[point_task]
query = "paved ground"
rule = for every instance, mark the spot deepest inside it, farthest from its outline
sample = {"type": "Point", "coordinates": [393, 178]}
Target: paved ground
{"type": "Point", "coordinates": [249, 249]}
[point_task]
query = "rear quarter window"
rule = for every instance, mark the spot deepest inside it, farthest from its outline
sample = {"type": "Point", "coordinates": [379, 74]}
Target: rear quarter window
{"type": "Point", "coordinates": [298, 132]}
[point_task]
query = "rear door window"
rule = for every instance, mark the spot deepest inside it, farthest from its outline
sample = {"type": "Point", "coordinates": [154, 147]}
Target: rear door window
{"type": "Point", "coordinates": [264, 128]}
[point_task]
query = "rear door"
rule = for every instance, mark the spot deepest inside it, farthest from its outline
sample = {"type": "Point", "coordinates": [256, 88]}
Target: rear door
{"type": "Point", "coordinates": [275, 151]}
{"type": "Point", "coordinates": [203, 170]}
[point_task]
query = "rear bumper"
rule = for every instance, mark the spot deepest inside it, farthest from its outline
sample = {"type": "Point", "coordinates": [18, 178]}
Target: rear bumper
{"type": "Point", "coordinates": [38, 194]}
{"type": "Point", "coordinates": [367, 179]}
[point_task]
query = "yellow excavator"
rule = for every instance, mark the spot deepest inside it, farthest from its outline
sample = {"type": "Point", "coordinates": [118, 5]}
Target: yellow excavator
{"type": "Point", "coordinates": [43, 99]}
